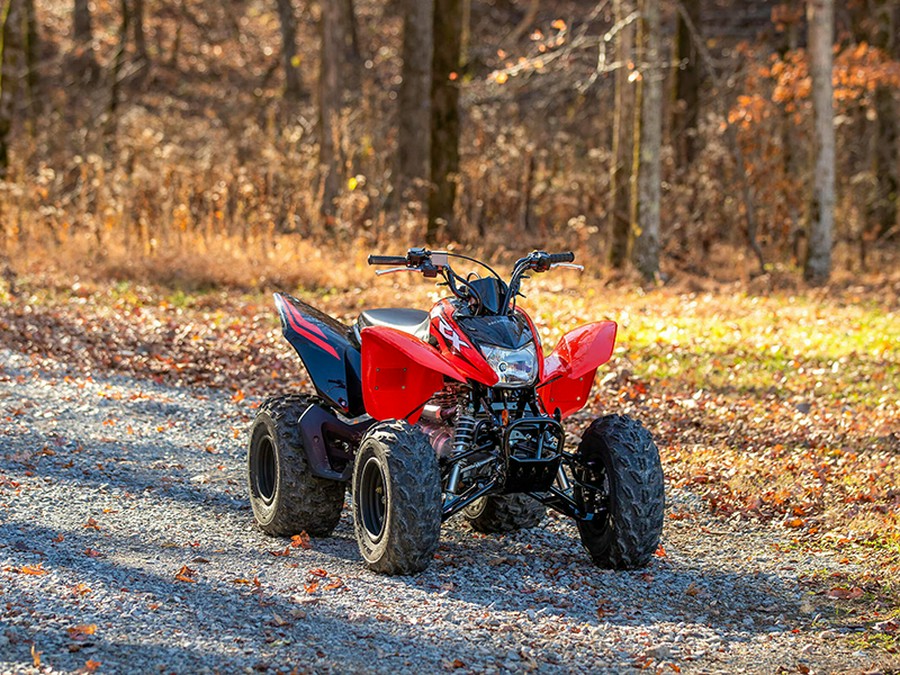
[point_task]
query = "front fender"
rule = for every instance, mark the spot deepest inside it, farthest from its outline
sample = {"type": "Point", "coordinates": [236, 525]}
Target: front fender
{"type": "Point", "coordinates": [569, 370]}
{"type": "Point", "coordinates": [400, 373]}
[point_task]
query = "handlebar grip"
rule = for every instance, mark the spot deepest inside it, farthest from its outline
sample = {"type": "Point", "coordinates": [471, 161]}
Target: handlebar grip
{"type": "Point", "coordinates": [387, 260]}
{"type": "Point", "coordinates": [562, 257]}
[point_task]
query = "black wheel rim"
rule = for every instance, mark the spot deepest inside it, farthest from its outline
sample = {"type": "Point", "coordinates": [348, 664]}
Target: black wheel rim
{"type": "Point", "coordinates": [266, 471]}
{"type": "Point", "coordinates": [598, 497]}
{"type": "Point", "coordinates": [373, 499]}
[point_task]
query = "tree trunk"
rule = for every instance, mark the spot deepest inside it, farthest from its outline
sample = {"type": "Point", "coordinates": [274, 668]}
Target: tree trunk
{"type": "Point", "coordinates": [646, 244]}
{"type": "Point", "coordinates": [620, 169]}
{"type": "Point", "coordinates": [352, 54]}
{"type": "Point", "coordinates": [687, 86]}
{"type": "Point", "coordinates": [140, 36]}
{"type": "Point", "coordinates": [83, 34]}
{"type": "Point", "coordinates": [118, 63]}
{"type": "Point", "coordinates": [11, 16]}
{"type": "Point", "coordinates": [414, 131]}
{"type": "Point", "coordinates": [445, 78]}
{"type": "Point", "coordinates": [820, 18]}
{"type": "Point", "coordinates": [293, 87]}
{"type": "Point", "coordinates": [330, 108]}
{"type": "Point", "coordinates": [32, 48]}
{"type": "Point", "coordinates": [883, 212]}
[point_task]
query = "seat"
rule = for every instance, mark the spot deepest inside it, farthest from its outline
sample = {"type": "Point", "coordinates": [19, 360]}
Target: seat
{"type": "Point", "coordinates": [412, 321]}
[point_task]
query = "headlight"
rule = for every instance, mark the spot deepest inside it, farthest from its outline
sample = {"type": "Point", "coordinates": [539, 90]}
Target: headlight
{"type": "Point", "coordinates": [514, 367]}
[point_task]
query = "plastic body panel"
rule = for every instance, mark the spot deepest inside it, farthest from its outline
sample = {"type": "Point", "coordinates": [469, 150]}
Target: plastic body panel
{"type": "Point", "coordinates": [324, 345]}
{"type": "Point", "coordinates": [569, 370]}
{"type": "Point", "coordinates": [400, 373]}
{"type": "Point", "coordinates": [457, 347]}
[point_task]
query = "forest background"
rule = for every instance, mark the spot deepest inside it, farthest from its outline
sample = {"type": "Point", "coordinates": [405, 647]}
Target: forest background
{"type": "Point", "coordinates": [164, 162]}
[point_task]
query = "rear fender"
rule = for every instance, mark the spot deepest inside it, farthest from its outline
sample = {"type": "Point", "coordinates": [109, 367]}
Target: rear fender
{"type": "Point", "coordinates": [400, 373]}
{"type": "Point", "coordinates": [325, 348]}
{"type": "Point", "coordinates": [569, 370]}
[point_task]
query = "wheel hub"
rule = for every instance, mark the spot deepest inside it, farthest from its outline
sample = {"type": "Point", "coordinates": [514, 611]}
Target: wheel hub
{"type": "Point", "coordinates": [373, 500]}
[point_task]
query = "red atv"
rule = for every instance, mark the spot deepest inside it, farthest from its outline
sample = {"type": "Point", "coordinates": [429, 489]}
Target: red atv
{"type": "Point", "coordinates": [428, 414]}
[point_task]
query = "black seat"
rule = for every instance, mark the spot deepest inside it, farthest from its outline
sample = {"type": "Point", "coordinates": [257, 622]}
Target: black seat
{"type": "Point", "coordinates": [412, 321]}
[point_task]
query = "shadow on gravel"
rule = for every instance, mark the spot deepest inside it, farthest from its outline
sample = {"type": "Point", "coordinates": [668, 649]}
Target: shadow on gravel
{"type": "Point", "coordinates": [168, 625]}
{"type": "Point", "coordinates": [132, 466]}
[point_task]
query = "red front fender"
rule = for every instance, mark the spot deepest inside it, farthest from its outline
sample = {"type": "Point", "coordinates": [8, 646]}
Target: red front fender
{"type": "Point", "coordinates": [400, 373]}
{"type": "Point", "coordinates": [569, 370]}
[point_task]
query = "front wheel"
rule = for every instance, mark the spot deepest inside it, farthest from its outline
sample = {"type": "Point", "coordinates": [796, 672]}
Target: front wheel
{"type": "Point", "coordinates": [618, 465]}
{"type": "Point", "coordinates": [396, 499]}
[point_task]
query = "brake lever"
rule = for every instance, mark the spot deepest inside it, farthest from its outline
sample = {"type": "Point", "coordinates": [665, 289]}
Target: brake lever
{"type": "Point", "coordinates": [394, 270]}
{"type": "Point", "coordinates": [570, 266]}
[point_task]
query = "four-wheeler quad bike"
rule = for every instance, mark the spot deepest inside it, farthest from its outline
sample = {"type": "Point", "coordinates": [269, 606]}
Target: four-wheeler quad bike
{"type": "Point", "coordinates": [429, 414]}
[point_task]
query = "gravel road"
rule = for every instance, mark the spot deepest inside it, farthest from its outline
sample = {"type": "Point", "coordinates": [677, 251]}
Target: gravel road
{"type": "Point", "coordinates": [127, 545]}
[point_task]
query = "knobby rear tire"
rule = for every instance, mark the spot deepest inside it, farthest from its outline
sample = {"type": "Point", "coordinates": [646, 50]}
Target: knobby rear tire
{"type": "Point", "coordinates": [504, 513]}
{"type": "Point", "coordinates": [285, 497]}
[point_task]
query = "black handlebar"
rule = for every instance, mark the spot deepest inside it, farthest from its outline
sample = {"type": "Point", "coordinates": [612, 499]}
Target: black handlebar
{"type": "Point", "coordinates": [387, 260]}
{"type": "Point", "coordinates": [562, 257]}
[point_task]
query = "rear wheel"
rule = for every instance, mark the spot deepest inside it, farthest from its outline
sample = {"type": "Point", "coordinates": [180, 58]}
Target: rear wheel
{"type": "Point", "coordinates": [396, 499]}
{"type": "Point", "coordinates": [619, 463]}
{"type": "Point", "coordinates": [285, 497]}
{"type": "Point", "coordinates": [504, 513]}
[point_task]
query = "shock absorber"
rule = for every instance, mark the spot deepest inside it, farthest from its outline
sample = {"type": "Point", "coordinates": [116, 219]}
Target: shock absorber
{"type": "Point", "coordinates": [462, 439]}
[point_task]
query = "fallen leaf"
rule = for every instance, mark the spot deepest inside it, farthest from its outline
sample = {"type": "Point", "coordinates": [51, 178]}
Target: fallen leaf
{"type": "Point", "coordinates": [34, 570]}
{"type": "Point", "coordinates": [337, 583]}
{"type": "Point", "coordinates": [240, 581]}
{"type": "Point", "coordinates": [300, 540]}
{"type": "Point", "coordinates": [661, 552]}
{"type": "Point", "coordinates": [91, 666]}
{"type": "Point", "coordinates": [35, 656]}
{"type": "Point", "coordinates": [278, 554]}
{"type": "Point", "coordinates": [185, 574]}
{"type": "Point", "coordinates": [58, 538]}
{"type": "Point", "coordinates": [278, 621]}
{"type": "Point", "coordinates": [318, 572]}
{"type": "Point", "coordinates": [692, 590]}
{"type": "Point", "coordinates": [82, 631]}
{"type": "Point", "coordinates": [845, 593]}
{"type": "Point", "coordinates": [313, 587]}
{"type": "Point", "coordinates": [92, 524]}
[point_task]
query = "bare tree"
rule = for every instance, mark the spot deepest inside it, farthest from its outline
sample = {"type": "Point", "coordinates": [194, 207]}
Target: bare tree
{"type": "Point", "coordinates": [11, 17]}
{"type": "Point", "coordinates": [140, 37]}
{"type": "Point", "coordinates": [445, 79]}
{"type": "Point", "coordinates": [330, 94]}
{"type": "Point", "coordinates": [886, 161]}
{"type": "Point", "coordinates": [645, 254]}
{"type": "Point", "coordinates": [293, 87]}
{"type": "Point", "coordinates": [83, 35]}
{"type": "Point", "coordinates": [687, 84]}
{"type": "Point", "coordinates": [820, 17]}
{"type": "Point", "coordinates": [622, 151]}
{"type": "Point", "coordinates": [414, 130]}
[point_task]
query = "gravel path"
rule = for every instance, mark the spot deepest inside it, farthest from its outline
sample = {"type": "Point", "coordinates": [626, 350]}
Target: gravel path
{"type": "Point", "coordinates": [111, 487]}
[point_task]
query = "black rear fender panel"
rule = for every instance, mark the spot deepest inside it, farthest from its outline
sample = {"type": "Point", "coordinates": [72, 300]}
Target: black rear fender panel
{"type": "Point", "coordinates": [334, 364]}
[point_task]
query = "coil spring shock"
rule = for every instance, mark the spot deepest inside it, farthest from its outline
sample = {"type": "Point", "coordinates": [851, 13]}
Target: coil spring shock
{"type": "Point", "coordinates": [463, 436]}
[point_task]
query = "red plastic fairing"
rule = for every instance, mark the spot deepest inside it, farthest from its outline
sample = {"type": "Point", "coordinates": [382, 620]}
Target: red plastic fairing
{"type": "Point", "coordinates": [537, 342]}
{"type": "Point", "coordinates": [456, 347]}
{"type": "Point", "coordinates": [400, 373]}
{"type": "Point", "coordinates": [569, 370]}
